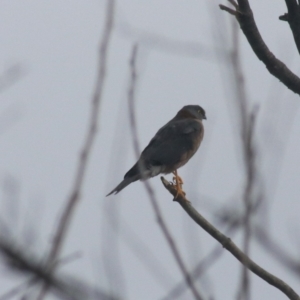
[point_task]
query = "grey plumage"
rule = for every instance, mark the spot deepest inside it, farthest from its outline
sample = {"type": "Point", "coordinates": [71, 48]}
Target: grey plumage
{"type": "Point", "coordinates": [171, 147]}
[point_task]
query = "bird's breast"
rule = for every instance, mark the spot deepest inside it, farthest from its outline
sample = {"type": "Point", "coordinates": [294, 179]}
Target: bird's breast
{"type": "Point", "coordinates": [189, 147]}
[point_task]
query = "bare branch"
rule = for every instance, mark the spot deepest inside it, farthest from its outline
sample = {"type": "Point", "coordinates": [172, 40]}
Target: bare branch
{"type": "Point", "coordinates": [229, 10]}
{"type": "Point", "coordinates": [90, 138]}
{"type": "Point", "coordinates": [10, 76]}
{"type": "Point", "coordinates": [20, 261]}
{"type": "Point", "coordinates": [196, 273]}
{"type": "Point", "coordinates": [278, 252]}
{"type": "Point", "coordinates": [229, 245]}
{"type": "Point", "coordinates": [276, 67]}
{"type": "Point", "coordinates": [247, 127]}
{"type": "Point", "coordinates": [150, 191]}
{"type": "Point", "coordinates": [201, 267]}
{"type": "Point", "coordinates": [88, 142]}
{"type": "Point", "coordinates": [159, 42]}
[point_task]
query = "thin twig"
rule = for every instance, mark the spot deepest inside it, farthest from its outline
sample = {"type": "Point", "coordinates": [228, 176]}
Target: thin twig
{"type": "Point", "coordinates": [229, 245]}
{"type": "Point", "coordinates": [19, 289]}
{"type": "Point", "coordinates": [90, 137]}
{"type": "Point", "coordinates": [19, 258]}
{"type": "Point", "coordinates": [141, 251]}
{"type": "Point", "coordinates": [277, 251]}
{"type": "Point", "coordinates": [150, 191]}
{"type": "Point", "coordinates": [248, 153]}
{"type": "Point", "coordinates": [200, 269]}
{"type": "Point", "coordinates": [11, 75]}
{"type": "Point", "coordinates": [22, 262]}
{"type": "Point", "coordinates": [75, 195]}
{"type": "Point", "coordinates": [159, 42]}
{"type": "Point", "coordinates": [229, 10]}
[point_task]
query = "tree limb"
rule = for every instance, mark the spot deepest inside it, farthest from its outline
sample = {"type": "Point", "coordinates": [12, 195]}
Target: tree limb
{"type": "Point", "coordinates": [277, 68]}
{"type": "Point", "coordinates": [229, 245]}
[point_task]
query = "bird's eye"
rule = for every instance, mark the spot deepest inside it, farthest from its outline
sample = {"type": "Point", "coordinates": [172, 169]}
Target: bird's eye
{"type": "Point", "coordinates": [199, 111]}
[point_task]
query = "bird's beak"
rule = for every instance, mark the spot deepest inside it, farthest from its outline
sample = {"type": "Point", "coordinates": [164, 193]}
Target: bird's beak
{"type": "Point", "coordinates": [204, 117]}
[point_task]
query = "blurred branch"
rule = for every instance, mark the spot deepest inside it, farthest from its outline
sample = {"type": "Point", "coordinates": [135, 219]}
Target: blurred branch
{"type": "Point", "coordinates": [276, 67]}
{"type": "Point", "coordinates": [247, 127]}
{"type": "Point", "coordinates": [169, 45]}
{"type": "Point", "coordinates": [10, 76]}
{"type": "Point", "coordinates": [196, 273]}
{"type": "Point", "coordinates": [251, 173]}
{"type": "Point", "coordinates": [277, 251]}
{"type": "Point", "coordinates": [19, 260]}
{"type": "Point", "coordinates": [293, 18]}
{"type": "Point", "coordinates": [18, 289]}
{"type": "Point", "coordinates": [75, 195]}
{"type": "Point", "coordinates": [229, 245]}
{"type": "Point", "coordinates": [156, 267]}
{"type": "Point", "coordinates": [150, 191]}
{"type": "Point", "coordinates": [201, 267]}
{"type": "Point", "coordinates": [90, 138]}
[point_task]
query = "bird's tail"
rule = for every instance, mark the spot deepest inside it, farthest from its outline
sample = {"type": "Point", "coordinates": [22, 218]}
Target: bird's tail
{"type": "Point", "coordinates": [124, 183]}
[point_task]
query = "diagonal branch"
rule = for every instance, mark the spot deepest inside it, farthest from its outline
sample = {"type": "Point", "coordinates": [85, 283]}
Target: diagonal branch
{"type": "Point", "coordinates": [200, 269]}
{"type": "Point", "coordinates": [90, 137]}
{"type": "Point", "coordinates": [277, 250]}
{"type": "Point", "coordinates": [276, 67]}
{"type": "Point", "coordinates": [22, 262]}
{"type": "Point", "coordinates": [75, 195]}
{"type": "Point", "coordinates": [229, 245]}
{"type": "Point", "coordinates": [10, 76]}
{"type": "Point", "coordinates": [293, 18]}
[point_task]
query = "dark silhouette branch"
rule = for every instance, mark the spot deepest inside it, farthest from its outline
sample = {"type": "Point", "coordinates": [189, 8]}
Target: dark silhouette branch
{"type": "Point", "coordinates": [277, 68]}
{"type": "Point", "coordinates": [293, 18]}
{"type": "Point", "coordinates": [229, 245]}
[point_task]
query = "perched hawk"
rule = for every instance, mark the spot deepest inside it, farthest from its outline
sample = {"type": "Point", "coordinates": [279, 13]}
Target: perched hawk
{"type": "Point", "coordinates": [171, 148]}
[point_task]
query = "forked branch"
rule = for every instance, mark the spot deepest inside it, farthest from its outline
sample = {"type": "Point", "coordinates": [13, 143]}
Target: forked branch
{"type": "Point", "coordinates": [243, 13]}
{"type": "Point", "coordinates": [293, 18]}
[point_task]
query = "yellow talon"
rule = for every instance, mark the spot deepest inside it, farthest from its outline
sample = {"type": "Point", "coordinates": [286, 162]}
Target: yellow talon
{"type": "Point", "coordinates": [178, 182]}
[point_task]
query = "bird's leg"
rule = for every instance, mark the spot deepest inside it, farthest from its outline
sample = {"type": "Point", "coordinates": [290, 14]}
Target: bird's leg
{"type": "Point", "coordinates": [177, 177]}
{"type": "Point", "coordinates": [178, 182]}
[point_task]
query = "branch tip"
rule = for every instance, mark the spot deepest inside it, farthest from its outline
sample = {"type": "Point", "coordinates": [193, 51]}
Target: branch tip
{"type": "Point", "coordinates": [233, 3]}
{"type": "Point", "coordinates": [284, 17]}
{"type": "Point", "coordinates": [172, 189]}
{"type": "Point", "coordinates": [229, 10]}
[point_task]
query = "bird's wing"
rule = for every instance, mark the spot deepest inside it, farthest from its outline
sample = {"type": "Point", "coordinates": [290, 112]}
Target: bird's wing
{"type": "Point", "coordinates": [172, 142]}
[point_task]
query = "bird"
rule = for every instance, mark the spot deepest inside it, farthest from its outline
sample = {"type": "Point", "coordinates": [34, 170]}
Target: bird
{"type": "Point", "coordinates": [172, 147]}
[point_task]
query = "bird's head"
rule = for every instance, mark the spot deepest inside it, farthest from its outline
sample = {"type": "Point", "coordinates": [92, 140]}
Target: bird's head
{"type": "Point", "coordinates": [192, 111]}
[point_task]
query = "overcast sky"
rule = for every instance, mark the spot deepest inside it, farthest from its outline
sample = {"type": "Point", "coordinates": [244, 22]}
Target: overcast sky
{"type": "Point", "coordinates": [53, 46]}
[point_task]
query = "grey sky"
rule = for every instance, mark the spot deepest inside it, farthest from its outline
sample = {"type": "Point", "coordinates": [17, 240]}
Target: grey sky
{"type": "Point", "coordinates": [45, 116]}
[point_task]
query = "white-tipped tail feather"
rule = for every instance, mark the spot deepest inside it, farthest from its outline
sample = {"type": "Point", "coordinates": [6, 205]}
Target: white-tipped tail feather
{"type": "Point", "coordinates": [123, 184]}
